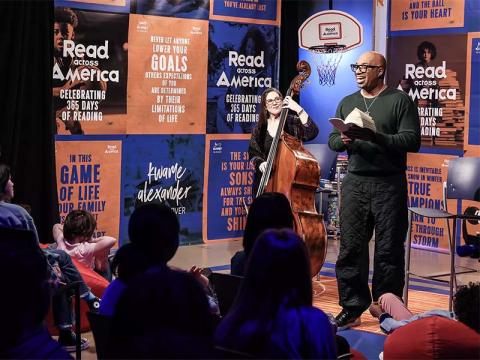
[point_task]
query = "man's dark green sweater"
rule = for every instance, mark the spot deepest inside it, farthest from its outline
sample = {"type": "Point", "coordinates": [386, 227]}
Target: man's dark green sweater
{"type": "Point", "coordinates": [398, 132]}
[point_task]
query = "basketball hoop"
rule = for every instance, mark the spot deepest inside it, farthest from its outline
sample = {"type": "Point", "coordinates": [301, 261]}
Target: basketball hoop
{"type": "Point", "coordinates": [328, 35]}
{"type": "Point", "coordinates": [327, 58]}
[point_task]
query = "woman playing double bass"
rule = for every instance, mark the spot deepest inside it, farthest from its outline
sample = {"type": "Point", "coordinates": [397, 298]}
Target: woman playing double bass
{"type": "Point", "coordinates": [297, 124]}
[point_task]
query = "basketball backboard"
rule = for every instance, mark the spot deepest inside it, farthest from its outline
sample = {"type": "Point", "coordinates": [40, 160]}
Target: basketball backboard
{"type": "Point", "coordinates": [328, 34]}
{"type": "Point", "coordinates": [330, 28]}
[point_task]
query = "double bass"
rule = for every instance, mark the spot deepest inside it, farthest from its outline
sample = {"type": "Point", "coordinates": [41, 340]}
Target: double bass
{"type": "Point", "coordinates": [294, 171]}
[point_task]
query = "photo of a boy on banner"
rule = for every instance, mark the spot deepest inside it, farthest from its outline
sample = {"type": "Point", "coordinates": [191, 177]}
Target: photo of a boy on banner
{"type": "Point", "coordinates": [89, 71]}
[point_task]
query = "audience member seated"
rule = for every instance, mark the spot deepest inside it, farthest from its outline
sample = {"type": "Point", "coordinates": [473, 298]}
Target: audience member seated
{"type": "Point", "coordinates": [434, 337]}
{"type": "Point", "coordinates": [153, 230]}
{"type": "Point", "coordinates": [75, 237]}
{"type": "Point", "coordinates": [25, 276]}
{"type": "Point", "coordinates": [273, 316]}
{"type": "Point", "coordinates": [268, 211]}
{"type": "Point", "coordinates": [60, 265]}
{"type": "Point", "coordinates": [163, 313]}
{"type": "Point", "coordinates": [392, 312]}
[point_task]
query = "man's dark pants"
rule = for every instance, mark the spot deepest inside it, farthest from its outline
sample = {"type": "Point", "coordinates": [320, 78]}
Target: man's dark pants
{"type": "Point", "coordinates": [368, 204]}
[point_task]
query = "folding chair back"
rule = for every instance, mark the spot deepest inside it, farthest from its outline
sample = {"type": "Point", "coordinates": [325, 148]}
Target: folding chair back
{"type": "Point", "coordinates": [101, 327]}
{"type": "Point", "coordinates": [226, 287]}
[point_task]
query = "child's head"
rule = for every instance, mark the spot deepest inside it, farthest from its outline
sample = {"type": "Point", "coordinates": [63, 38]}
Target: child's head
{"type": "Point", "coordinates": [79, 226]}
{"type": "Point", "coordinates": [466, 305]}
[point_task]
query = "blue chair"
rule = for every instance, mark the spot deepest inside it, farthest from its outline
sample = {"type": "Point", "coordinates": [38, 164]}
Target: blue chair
{"type": "Point", "coordinates": [463, 183]}
{"type": "Point", "coordinates": [226, 288]}
{"type": "Point", "coordinates": [102, 329]}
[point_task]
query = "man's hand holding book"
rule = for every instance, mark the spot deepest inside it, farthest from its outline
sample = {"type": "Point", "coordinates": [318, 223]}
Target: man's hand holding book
{"type": "Point", "coordinates": [357, 125]}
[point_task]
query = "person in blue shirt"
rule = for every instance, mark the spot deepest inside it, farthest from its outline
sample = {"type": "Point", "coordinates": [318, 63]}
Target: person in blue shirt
{"type": "Point", "coordinates": [60, 265]}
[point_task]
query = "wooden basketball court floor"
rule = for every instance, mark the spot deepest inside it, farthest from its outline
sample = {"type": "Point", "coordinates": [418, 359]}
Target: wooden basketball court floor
{"type": "Point", "coordinates": [424, 294]}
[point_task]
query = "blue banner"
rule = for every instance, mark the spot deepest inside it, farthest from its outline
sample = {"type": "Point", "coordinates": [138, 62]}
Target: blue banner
{"type": "Point", "coordinates": [165, 169]}
{"type": "Point", "coordinates": [229, 188]}
{"type": "Point", "coordinates": [243, 62]}
{"type": "Point", "coordinates": [474, 116]}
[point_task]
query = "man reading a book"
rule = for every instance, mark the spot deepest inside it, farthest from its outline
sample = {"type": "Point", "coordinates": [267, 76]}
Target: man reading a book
{"type": "Point", "coordinates": [374, 191]}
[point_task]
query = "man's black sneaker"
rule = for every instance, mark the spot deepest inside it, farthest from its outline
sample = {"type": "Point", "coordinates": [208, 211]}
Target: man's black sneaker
{"type": "Point", "coordinates": [347, 319]}
{"type": "Point", "coordinates": [94, 305]}
{"type": "Point", "coordinates": [67, 340]}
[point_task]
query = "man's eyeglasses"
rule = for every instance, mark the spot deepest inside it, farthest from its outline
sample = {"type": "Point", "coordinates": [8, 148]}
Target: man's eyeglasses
{"type": "Point", "coordinates": [363, 68]}
{"type": "Point", "coordinates": [271, 101]}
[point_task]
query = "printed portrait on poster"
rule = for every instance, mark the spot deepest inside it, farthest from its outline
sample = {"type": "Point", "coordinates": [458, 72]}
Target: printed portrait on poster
{"type": "Point", "coordinates": [89, 72]}
{"type": "Point", "coordinates": [165, 169]}
{"type": "Point", "coordinates": [242, 64]}
{"type": "Point", "coordinates": [431, 70]}
{"type": "Point", "coordinates": [228, 183]}
{"type": "Point", "coordinates": [167, 75]}
{"type": "Point", "coordinates": [122, 6]}
{"type": "Point", "coordinates": [88, 179]}
{"type": "Point", "coordinates": [191, 9]}
{"type": "Point", "coordinates": [267, 12]}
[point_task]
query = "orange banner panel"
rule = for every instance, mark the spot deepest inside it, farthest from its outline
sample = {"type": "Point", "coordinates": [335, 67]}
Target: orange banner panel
{"type": "Point", "coordinates": [167, 75]}
{"type": "Point", "coordinates": [426, 14]}
{"type": "Point", "coordinates": [425, 175]}
{"type": "Point", "coordinates": [88, 178]}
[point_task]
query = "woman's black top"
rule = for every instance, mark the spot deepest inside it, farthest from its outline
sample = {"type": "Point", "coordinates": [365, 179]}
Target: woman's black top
{"type": "Point", "coordinates": [261, 141]}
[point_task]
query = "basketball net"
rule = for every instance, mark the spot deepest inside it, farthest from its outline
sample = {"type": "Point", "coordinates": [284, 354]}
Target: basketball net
{"type": "Point", "coordinates": [327, 58]}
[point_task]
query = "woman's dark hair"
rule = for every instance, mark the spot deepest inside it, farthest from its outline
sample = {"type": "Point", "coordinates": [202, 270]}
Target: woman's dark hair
{"type": "Point", "coordinates": [277, 276]}
{"type": "Point", "coordinates": [79, 223]}
{"type": "Point", "coordinates": [154, 228]}
{"type": "Point", "coordinates": [466, 305]}
{"type": "Point", "coordinates": [268, 211]}
{"type": "Point", "coordinates": [4, 177]}
{"type": "Point", "coordinates": [279, 266]}
{"type": "Point", "coordinates": [261, 126]}
{"type": "Point", "coordinates": [426, 45]}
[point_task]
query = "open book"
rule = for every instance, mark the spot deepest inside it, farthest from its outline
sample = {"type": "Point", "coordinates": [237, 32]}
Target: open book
{"type": "Point", "coordinates": [356, 117]}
